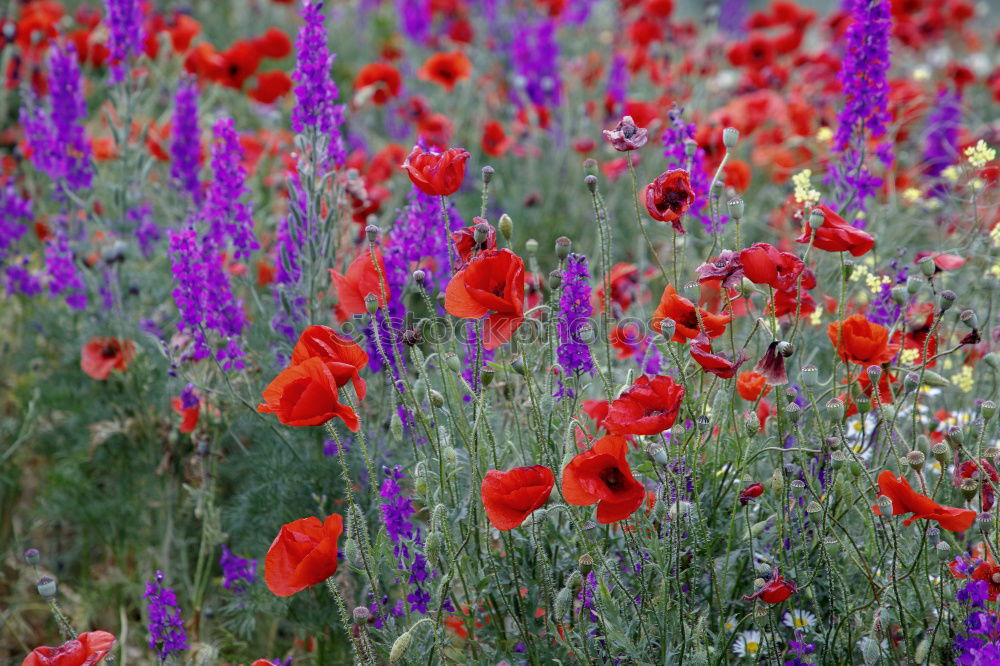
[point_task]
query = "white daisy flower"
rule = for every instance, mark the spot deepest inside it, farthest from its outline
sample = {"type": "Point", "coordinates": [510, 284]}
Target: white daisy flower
{"type": "Point", "coordinates": [730, 623]}
{"type": "Point", "coordinates": [747, 644]}
{"type": "Point", "coordinates": [799, 619]}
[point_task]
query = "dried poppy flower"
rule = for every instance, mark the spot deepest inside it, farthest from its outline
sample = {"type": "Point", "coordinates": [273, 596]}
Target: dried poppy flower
{"type": "Point", "coordinates": [648, 407]}
{"type": "Point", "coordinates": [99, 356]}
{"type": "Point", "coordinates": [906, 500]}
{"type": "Point", "coordinates": [510, 497]}
{"type": "Point", "coordinates": [626, 135]}
{"type": "Point", "coordinates": [446, 69]}
{"type": "Point", "coordinates": [491, 284]}
{"type": "Point", "coordinates": [307, 394]}
{"type": "Point", "coordinates": [836, 235]}
{"type": "Point", "coordinates": [751, 385]}
{"type": "Point", "coordinates": [304, 553]}
{"type": "Point", "coordinates": [669, 196]}
{"type": "Point", "coordinates": [750, 492]}
{"type": "Point", "coordinates": [602, 476]}
{"type": "Point", "coordinates": [343, 357]}
{"type": "Point", "coordinates": [775, 590]}
{"type": "Point", "coordinates": [861, 341]}
{"type": "Point", "coordinates": [765, 264]}
{"type": "Point", "coordinates": [86, 649]}
{"type": "Point", "coordinates": [717, 364]}
{"type": "Point", "coordinates": [362, 278]}
{"type": "Point", "coordinates": [380, 80]}
{"type": "Point", "coordinates": [465, 243]}
{"type": "Point", "coordinates": [436, 174]}
{"type": "Point", "coordinates": [725, 267]}
{"type": "Point", "coordinates": [681, 311]}
{"type": "Point", "coordinates": [772, 366]}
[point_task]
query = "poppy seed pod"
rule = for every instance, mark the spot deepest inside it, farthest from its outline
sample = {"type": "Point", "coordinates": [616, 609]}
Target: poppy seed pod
{"type": "Point", "coordinates": [488, 173]}
{"type": "Point", "coordinates": [786, 349]}
{"type": "Point", "coordinates": [371, 303]}
{"type": "Point", "coordinates": [690, 147]}
{"type": "Point", "coordinates": [910, 382]}
{"type": "Point", "coordinates": [835, 409]}
{"type": "Point", "coordinates": [751, 423]}
{"type": "Point", "coordinates": [590, 165]}
{"type": "Point", "coordinates": [941, 452]}
{"type": "Point", "coordinates": [969, 318]}
{"type": "Point", "coordinates": [946, 300]}
{"type": "Point", "coordinates": [809, 376]}
{"type": "Point", "coordinates": [591, 182]}
{"type": "Point", "coordinates": [531, 246]}
{"type": "Point", "coordinates": [874, 373]}
{"type": "Point", "coordinates": [736, 208]}
{"type": "Point", "coordinates": [831, 545]}
{"type": "Point", "coordinates": [454, 363]}
{"type": "Point", "coordinates": [506, 226]}
{"type": "Point", "coordinates": [481, 232]}
{"type": "Point", "coordinates": [419, 276]}
{"type": "Point", "coordinates": [927, 266]}
{"type": "Point", "coordinates": [563, 247]}
{"type": "Point", "coordinates": [486, 375]}
{"type": "Point", "coordinates": [32, 556]}
{"type": "Point", "coordinates": [884, 505]}
{"type": "Point", "coordinates": [47, 588]}
{"type": "Point", "coordinates": [955, 435]}
{"type": "Point", "coordinates": [985, 522]}
{"type": "Point", "coordinates": [943, 549]}
{"type": "Point", "coordinates": [816, 217]}
{"type": "Point", "coordinates": [915, 459]}
{"type": "Point", "coordinates": [555, 279]}
{"type": "Point", "coordinates": [913, 285]}
{"type": "Point", "coordinates": [730, 136]}
{"type": "Point", "coordinates": [371, 231]}
{"type": "Point", "coordinates": [361, 614]}
{"type": "Point", "coordinates": [899, 295]}
{"type": "Point", "coordinates": [517, 365]}
{"type": "Point", "coordinates": [969, 488]}
{"type": "Point", "coordinates": [988, 409]}
{"type": "Point", "coordinates": [586, 564]}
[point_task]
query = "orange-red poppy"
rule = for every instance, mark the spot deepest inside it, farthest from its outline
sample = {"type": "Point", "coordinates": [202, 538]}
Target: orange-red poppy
{"type": "Point", "coordinates": [765, 264]}
{"type": "Point", "coordinates": [836, 235]}
{"type": "Point", "coordinates": [906, 500]}
{"type": "Point", "coordinates": [648, 407]}
{"type": "Point", "coordinates": [86, 649]}
{"type": "Point", "coordinates": [189, 415]}
{"type": "Point", "coordinates": [342, 356]}
{"type": "Point", "coordinates": [775, 590]}
{"type": "Point", "coordinates": [270, 87]}
{"type": "Point", "coordinates": [751, 385]}
{"type": "Point", "coordinates": [307, 394]}
{"type": "Point", "coordinates": [304, 553]}
{"type": "Point", "coordinates": [494, 141]}
{"type": "Point", "coordinates": [510, 497]}
{"type": "Point", "coordinates": [437, 174]}
{"type": "Point", "coordinates": [718, 364]}
{"type": "Point", "coordinates": [362, 278]}
{"type": "Point", "coordinates": [273, 44]}
{"type": "Point", "coordinates": [681, 311]}
{"type": "Point", "coordinates": [446, 69]}
{"type": "Point", "coordinates": [602, 476]}
{"type": "Point", "coordinates": [379, 80]}
{"type": "Point", "coordinates": [861, 341]}
{"type": "Point", "coordinates": [491, 284]}
{"type": "Point", "coordinates": [99, 356]}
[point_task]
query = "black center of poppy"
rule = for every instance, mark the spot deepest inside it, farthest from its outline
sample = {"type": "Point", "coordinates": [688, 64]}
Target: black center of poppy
{"type": "Point", "coordinates": [613, 478]}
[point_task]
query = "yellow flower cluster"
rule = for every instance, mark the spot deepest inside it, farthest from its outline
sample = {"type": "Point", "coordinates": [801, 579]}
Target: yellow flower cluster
{"type": "Point", "coordinates": [908, 356]}
{"type": "Point", "coordinates": [963, 379]}
{"type": "Point", "coordinates": [980, 154]}
{"type": "Point", "coordinates": [804, 192]}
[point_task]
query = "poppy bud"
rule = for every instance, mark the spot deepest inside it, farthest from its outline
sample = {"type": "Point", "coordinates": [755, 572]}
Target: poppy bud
{"type": "Point", "coordinates": [910, 382]}
{"type": "Point", "coordinates": [506, 226]}
{"type": "Point", "coordinates": [351, 552]}
{"type": "Point", "coordinates": [517, 364]}
{"type": "Point", "coordinates": [985, 522]}
{"type": "Point", "coordinates": [988, 409]}
{"type": "Point", "coordinates": [450, 455]}
{"type": "Point", "coordinates": [591, 182]}
{"type": "Point", "coordinates": [47, 588]}
{"type": "Point", "coordinates": [808, 376]}
{"type": "Point", "coordinates": [488, 172]}
{"type": "Point", "coordinates": [831, 544]}
{"type": "Point", "coordinates": [361, 614]}
{"type": "Point", "coordinates": [453, 363]}
{"type": "Point", "coordinates": [690, 147]}
{"type": "Point", "coordinates": [436, 398]}
{"type": "Point", "coordinates": [419, 276]}
{"type": "Point", "coordinates": [32, 556]}
{"type": "Point", "coordinates": [946, 300]}
{"type": "Point", "coordinates": [555, 279]}
{"type": "Point", "coordinates": [531, 246]}
{"type": "Point", "coordinates": [838, 459]}
{"type": "Point", "coordinates": [432, 547]}
{"type": "Point", "coordinates": [941, 452]}
{"type": "Point", "coordinates": [486, 376]}
{"type": "Point", "coordinates": [993, 360]}
{"type": "Point", "coordinates": [371, 303]}
{"type": "Point", "coordinates": [848, 269]}
{"type": "Point", "coordinates": [563, 600]}
{"type": "Point", "coordinates": [563, 247]}
{"type": "Point", "coordinates": [481, 232]}
{"type": "Point", "coordinates": [730, 136]}
{"type": "Point", "coordinates": [884, 505]}
{"type": "Point", "coordinates": [840, 486]}
{"type": "Point", "coordinates": [590, 165]}
{"type": "Point", "coordinates": [399, 647]}
{"type": "Point", "coordinates": [751, 423]}
{"type": "Point", "coordinates": [371, 231]}
{"type": "Point", "coordinates": [969, 488]}
{"type": "Point", "coordinates": [888, 413]}
{"type": "Point", "coordinates": [586, 564]}
{"type": "Point", "coordinates": [899, 295]}
{"type": "Point", "coordinates": [396, 426]}
{"type": "Point", "coordinates": [835, 409]}
{"type": "Point", "coordinates": [915, 459]}
{"type": "Point", "coordinates": [736, 208]}
{"type": "Point", "coordinates": [969, 318]}
{"type": "Point", "coordinates": [927, 266]}
{"type": "Point", "coordinates": [777, 481]}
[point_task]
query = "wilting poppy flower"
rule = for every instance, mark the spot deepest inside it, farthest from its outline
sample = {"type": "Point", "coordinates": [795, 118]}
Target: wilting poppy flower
{"type": "Point", "coordinates": [836, 235]}
{"type": "Point", "coordinates": [626, 135]}
{"type": "Point", "coordinates": [681, 311]}
{"type": "Point", "coordinates": [361, 279]}
{"type": "Point", "coordinates": [648, 407]}
{"type": "Point", "coordinates": [465, 243]}
{"type": "Point", "coordinates": [270, 86]}
{"type": "Point", "coordinates": [725, 267]}
{"type": "Point", "coordinates": [307, 394]}
{"type": "Point", "coordinates": [669, 196]}
{"type": "Point", "coordinates": [437, 174]}
{"type": "Point", "coordinates": [765, 264]}
{"type": "Point", "coordinates": [100, 356]}
{"type": "Point", "coordinates": [343, 357]}
{"type": "Point", "coordinates": [751, 385]}
{"type": "Point", "coordinates": [906, 500]}
{"type": "Point", "coordinates": [718, 364]}
{"type": "Point", "coordinates": [969, 470]}
{"type": "Point", "coordinates": [602, 475]}
{"type": "Point", "coordinates": [510, 497]}
{"type": "Point", "coordinates": [491, 284]}
{"type": "Point", "coordinates": [861, 341]}
{"type": "Point", "coordinates": [750, 492]}
{"type": "Point", "coordinates": [304, 553]}
{"type": "Point", "coordinates": [494, 141]}
{"type": "Point", "coordinates": [446, 69]}
{"type": "Point", "coordinates": [772, 366]}
{"type": "Point", "coordinates": [380, 80]}
{"type": "Point", "coordinates": [775, 591]}
{"type": "Point", "coordinates": [86, 649]}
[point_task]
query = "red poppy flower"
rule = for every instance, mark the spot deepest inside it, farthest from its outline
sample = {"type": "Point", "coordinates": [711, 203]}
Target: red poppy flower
{"type": "Point", "coordinates": [648, 407]}
{"type": "Point", "coordinates": [751, 385]}
{"type": "Point", "coordinates": [906, 500]}
{"type": "Point", "coordinates": [602, 475]}
{"type": "Point", "coordinates": [342, 355]}
{"type": "Point", "coordinates": [785, 303]}
{"type": "Point", "coordinates": [270, 87]}
{"type": "Point", "coordinates": [465, 243]}
{"type": "Point", "coordinates": [942, 262]}
{"type": "Point", "coordinates": [750, 492]}
{"type": "Point", "coordinates": [989, 572]}
{"type": "Point", "coordinates": [361, 279]}
{"type": "Point", "coordinates": [920, 320]}
{"type": "Point", "coordinates": [772, 366]}
{"type": "Point", "coordinates": [304, 553]}
{"type": "Point", "coordinates": [240, 62]}
{"type": "Point", "coordinates": [624, 280]}
{"type": "Point", "coordinates": [273, 44]}
{"type": "Point", "coordinates": [681, 311]}
{"type": "Point", "coordinates": [446, 69]}
{"type": "Point", "coordinates": [189, 415]}
{"type": "Point", "coordinates": [669, 196]}
{"type": "Point", "coordinates": [717, 364]}
{"type": "Point", "coordinates": [725, 268]}
{"type": "Point", "coordinates": [765, 264]}
{"type": "Point", "coordinates": [86, 649]}
{"type": "Point", "coordinates": [380, 80]}
{"type": "Point", "coordinates": [437, 174]}
{"type": "Point", "coordinates": [307, 394]}
{"type": "Point", "coordinates": [491, 284]}
{"type": "Point", "coordinates": [100, 356]}
{"type": "Point", "coordinates": [494, 142]}
{"type": "Point", "coordinates": [775, 591]}
{"type": "Point", "coordinates": [597, 410]}
{"type": "Point", "coordinates": [836, 235]}
{"type": "Point", "coordinates": [510, 497]}
{"type": "Point", "coordinates": [626, 135]}
{"type": "Point", "coordinates": [970, 470]}
{"type": "Point", "coordinates": [861, 341]}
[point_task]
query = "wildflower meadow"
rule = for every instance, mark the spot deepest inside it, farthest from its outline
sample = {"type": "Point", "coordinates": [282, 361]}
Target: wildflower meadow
{"type": "Point", "coordinates": [499, 332]}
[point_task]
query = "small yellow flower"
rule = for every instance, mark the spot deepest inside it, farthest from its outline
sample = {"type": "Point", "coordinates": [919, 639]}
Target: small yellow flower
{"type": "Point", "coordinates": [816, 317]}
{"type": "Point", "coordinates": [908, 356]}
{"type": "Point", "coordinates": [804, 192]}
{"type": "Point", "coordinates": [947, 364]}
{"type": "Point", "coordinates": [912, 194]}
{"type": "Point", "coordinates": [995, 268]}
{"type": "Point", "coordinates": [824, 135]}
{"type": "Point", "coordinates": [950, 174]}
{"type": "Point", "coordinates": [964, 380]}
{"type": "Point", "coordinates": [980, 154]}
{"type": "Point", "coordinates": [921, 74]}
{"type": "Point", "coordinates": [995, 236]}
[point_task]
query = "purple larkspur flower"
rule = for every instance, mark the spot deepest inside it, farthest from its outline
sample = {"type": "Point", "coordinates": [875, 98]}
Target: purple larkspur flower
{"type": "Point", "coordinates": [415, 18]}
{"type": "Point", "coordinates": [63, 274]}
{"type": "Point", "coordinates": [225, 214]}
{"type": "Point", "coordinates": [618, 80]}
{"type": "Point", "coordinates": [575, 310]}
{"type": "Point", "coordinates": [18, 278]}
{"type": "Point", "coordinates": [675, 139]}
{"type": "Point", "coordinates": [185, 139]}
{"type": "Point", "coordinates": [147, 232]}
{"type": "Point", "coordinates": [534, 54]}
{"type": "Point", "coordinates": [58, 142]}
{"type": "Point", "coordinates": [125, 34]}
{"type": "Point", "coordinates": [315, 92]}
{"type": "Point", "coordinates": [238, 573]}
{"type": "Point", "coordinates": [397, 510]}
{"type": "Point", "coordinates": [14, 211]}
{"type": "Point", "coordinates": [941, 148]}
{"type": "Point", "coordinates": [166, 628]}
